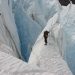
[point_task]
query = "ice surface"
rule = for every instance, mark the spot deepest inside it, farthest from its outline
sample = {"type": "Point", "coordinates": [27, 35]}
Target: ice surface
{"type": "Point", "coordinates": [28, 31]}
{"type": "Point", "coordinates": [67, 21]}
{"type": "Point", "coordinates": [49, 57]}
{"type": "Point", "coordinates": [44, 60]}
{"type": "Point", "coordinates": [31, 17]}
{"type": "Point", "coordinates": [13, 66]}
{"type": "Point", "coordinates": [8, 30]}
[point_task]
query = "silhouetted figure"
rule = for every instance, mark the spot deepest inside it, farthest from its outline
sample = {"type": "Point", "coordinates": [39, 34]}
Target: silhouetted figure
{"type": "Point", "coordinates": [0, 13]}
{"type": "Point", "coordinates": [46, 36]}
{"type": "Point", "coordinates": [32, 17]}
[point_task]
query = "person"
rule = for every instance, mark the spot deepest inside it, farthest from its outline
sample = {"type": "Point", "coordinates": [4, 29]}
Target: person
{"type": "Point", "coordinates": [0, 13]}
{"type": "Point", "coordinates": [46, 36]}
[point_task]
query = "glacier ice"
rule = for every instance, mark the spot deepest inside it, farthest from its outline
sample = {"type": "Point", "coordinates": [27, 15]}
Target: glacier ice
{"type": "Point", "coordinates": [65, 38]}
{"type": "Point", "coordinates": [49, 57]}
{"type": "Point", "coordinates": [37, 13]}
{"type": "Point", "coordinates": [8, 30]}
{"type": "Point", "coordinates": [28, 31]}
{"type": "Point", "coordinates": [29, 24]}
{"type": "Point", "coordinates": [67, 21]}
{"type": "Point", "coordinates": [18, 67]}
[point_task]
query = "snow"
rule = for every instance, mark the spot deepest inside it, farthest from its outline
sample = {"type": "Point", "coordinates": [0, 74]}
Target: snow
{"type": "Point", "coordinates": [67, 21]}
{"type": "Point", "coordinates": [10, 65]}
{"type": "Point", "coordinates": [7, 49]}
{"type": "Point", "coordinates": [49, 57]}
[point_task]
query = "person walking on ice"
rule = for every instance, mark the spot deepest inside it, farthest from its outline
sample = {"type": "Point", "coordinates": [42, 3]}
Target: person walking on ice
{"type": "Point", "coordinates": [46, 36]}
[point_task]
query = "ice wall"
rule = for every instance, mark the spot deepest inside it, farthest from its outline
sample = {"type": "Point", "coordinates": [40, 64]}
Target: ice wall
{"type": "Point", "coordinates": [28, 31]}
{"type": "Point", "coordinates": [42, 10]}
{"type": "Point", "coordinates": [31, 17]}
{"type": "Point", "coordinates": [67, 21]}
{"type": "Point", "coordinates": [8, 30]}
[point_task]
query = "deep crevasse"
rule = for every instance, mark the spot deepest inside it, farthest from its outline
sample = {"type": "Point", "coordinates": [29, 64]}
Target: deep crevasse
{"type": "Point", "coordinates": [30, 18]}
{"type": "Point", "coordinates": [64, 68]}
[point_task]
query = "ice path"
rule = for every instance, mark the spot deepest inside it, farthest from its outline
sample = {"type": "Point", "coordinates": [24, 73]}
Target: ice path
{"type": "Point", "coordinates": [49, 56]}
{"type": "Point", "coordinates": [50, 63]}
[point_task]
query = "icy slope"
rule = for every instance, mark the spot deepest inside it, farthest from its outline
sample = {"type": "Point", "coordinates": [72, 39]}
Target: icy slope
{"type": "Point", "coordinates": [67, 21]}
{"type": "Point", "coordinates": [10, 65]}
{"type": "Point", "coordinates": [49, 60]}
{"type": "Point", "coordinates": [49, 57]}
{"type": "Point", "coordinates": [8, 30]}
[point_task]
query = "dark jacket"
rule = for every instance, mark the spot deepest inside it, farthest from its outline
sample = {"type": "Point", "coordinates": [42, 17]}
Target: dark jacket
{"type": "Point", "coordinates": [46, 34]}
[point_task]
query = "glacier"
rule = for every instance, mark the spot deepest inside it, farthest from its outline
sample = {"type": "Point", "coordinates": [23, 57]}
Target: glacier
{"type": "Point", "coordinates": [28, 31]}
{"type": "Point", "coordinates": [64, 39]}
{"type": "Point", "coordinates": [67, 20]}
{"type": "Point", "coordinates": [7, 25]}
{"type": "Point", "coordinates": [21, 36]}
{"type": "Point", "coordinates": [30, 20]}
